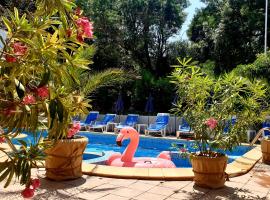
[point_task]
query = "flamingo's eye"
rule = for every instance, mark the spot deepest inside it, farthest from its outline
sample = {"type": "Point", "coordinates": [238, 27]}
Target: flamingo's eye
{"type": "Point", "coordinates": [127, 131]}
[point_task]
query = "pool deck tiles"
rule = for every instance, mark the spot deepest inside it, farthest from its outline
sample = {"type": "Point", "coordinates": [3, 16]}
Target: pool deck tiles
{"type": "Point", "coordinates": [238, 167]}
{"type": "Point", "coordinates": [255, 185]}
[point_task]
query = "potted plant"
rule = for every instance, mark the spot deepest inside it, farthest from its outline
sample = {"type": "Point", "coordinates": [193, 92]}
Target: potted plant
{"type": "Point", "coordinates": [265, 147]}
{"type": "Point", "coordinates": [40, 66]}
{"type": "Point", "coordinates": [44, 76]}
{"type": "Point", "coordinates": [220, 111]}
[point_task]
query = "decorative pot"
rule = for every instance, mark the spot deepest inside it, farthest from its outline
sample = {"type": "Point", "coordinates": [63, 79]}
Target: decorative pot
{"type": "Point", "coordinates": [64, 159]}
{"type": "Point", "coordinates": [265, 147]}
{"type": "Point", "coordinates": [209, 172]}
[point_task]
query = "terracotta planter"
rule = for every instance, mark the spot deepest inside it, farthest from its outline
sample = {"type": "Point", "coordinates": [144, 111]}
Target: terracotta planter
{"type": "Point", "coordinates": [209, 172]}
{"type": "Point", "coordinates": [64, 159]}
{"type": "Point", "coordinates": [265, 146]}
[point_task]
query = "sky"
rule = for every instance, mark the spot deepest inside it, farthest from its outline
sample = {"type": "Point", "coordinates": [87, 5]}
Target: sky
{"type": "Point", "coordinates": [191, 10]}
{"type": "Point", "coordinates": [3, 35]}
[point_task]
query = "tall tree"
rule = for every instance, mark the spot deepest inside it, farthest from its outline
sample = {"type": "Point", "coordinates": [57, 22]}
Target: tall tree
{"type": "Point", "coordinates": [148, 25]}
{"type": "Point", "coordinates": [135, 32]}
{"type": "Point", "coordinates": [230, 31]}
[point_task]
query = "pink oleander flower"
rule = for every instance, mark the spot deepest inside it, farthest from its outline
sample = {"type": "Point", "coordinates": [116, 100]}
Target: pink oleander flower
{"type": "Point", "coordinates": [43, 92]}
{"type": "Point", "coordinates": [29, 99]}
{"type": "Point", "coordinates": [80, 36]}
{"type": "Point", "coordinates": [211, 123]}
{"type": "Point", "coordinates": [35, 183]}
{"type": "Point", "coordinates": [10, 59]}
{"type": "Point", "coordinates": [85, 28]}
{"type": "Point", "coordinates": [27, 193]}
{"type": "Point", "coordinates": [73, 130]}
{"type": "Point", "coordinates": [19, 48]}
{"type": "Point", "coordinates": [77, 126]}
{"type": "Point", "coordinates": [183, 150]}
{"type": "Point", "coordinates": [2, 140]}
{"type": "Point", "coordinates": [78, 11]}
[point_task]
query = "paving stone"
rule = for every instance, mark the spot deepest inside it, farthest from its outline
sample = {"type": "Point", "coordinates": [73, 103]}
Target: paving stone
{"type": "Point", "coordinates": [113, 197]}
{"type": "Point", "coordinates": [186, 195]}
{"type": "Point", "coordinates": [123, 182]}
{"type": "Point", "coordinates": [152, 182]}
{"type": "Point", "coordinates": [141, 186]}
{"type": "Point", "coordinates": [254, 185]}
{"type": "Point", "coordinates": [127, 192]}
{"type": "Point", "coordinates": [162, 190]}
{"type": "Point", "coordinates": [150, 196]}
{"type": "Point", "coordinates": [175, 184]}
{"type": "Point", "coordinates": [91, 195]}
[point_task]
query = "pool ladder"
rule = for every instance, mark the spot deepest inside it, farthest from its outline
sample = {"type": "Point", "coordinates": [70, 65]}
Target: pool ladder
{"type": "Point", "coordinates": [259, 133]}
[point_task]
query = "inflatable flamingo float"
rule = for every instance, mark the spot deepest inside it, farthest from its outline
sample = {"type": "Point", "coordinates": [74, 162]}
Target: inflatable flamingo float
{"type": "Point", "coordinates": [127, 159]}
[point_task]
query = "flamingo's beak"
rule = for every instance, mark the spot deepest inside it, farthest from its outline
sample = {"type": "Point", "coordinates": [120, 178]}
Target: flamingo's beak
{"type": "Point", "coordinates": [119, 139]}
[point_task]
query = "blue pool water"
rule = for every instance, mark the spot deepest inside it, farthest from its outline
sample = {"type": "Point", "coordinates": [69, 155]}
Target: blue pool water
{"type": "Point", "coordinates": [104, 144]}
{"type": "Point", "coordinates": [150, 147]}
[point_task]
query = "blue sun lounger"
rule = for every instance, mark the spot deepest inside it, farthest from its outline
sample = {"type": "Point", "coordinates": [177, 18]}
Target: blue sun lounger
{"type": "Point", "coordinates": [131, 120]}
{"type": "Point", "coordinates": [103, 123]}
{"type": "Point", "coordinates": [90, 119]}
{"type": "Point", "coordinates": [266, 124]}
{"type": "Point", "coordinates": [160, 125]}
{"type": "Point", "coordinates": [184, 130]}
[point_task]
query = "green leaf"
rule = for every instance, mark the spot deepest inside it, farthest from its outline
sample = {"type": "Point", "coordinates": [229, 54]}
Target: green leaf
{"type": "Point", "coordinates": [3, 165]}
{"type": "Point", "coordinates": [60, 110]}
{"type": "Point", "coordinates": [7, 24]}
{"type": "Point", "coordinates": [19, 88]}
{"type": "Point", "coordinates": [18, 166]}
{"type": "Point", "coordinates": [23, 143]}
{"type": "Point", "coordinates": [52, 109]}
{"type": "Point", "coordinates": [2, 41]}
{"type": "Point", "coordinates": [11, 174]}
{"type": "Point", "coordinates": [16, 12]}
{"type": "Point", "coordinates": [5, 174]}
{"type": "Point", "coordinates": [45, 78]}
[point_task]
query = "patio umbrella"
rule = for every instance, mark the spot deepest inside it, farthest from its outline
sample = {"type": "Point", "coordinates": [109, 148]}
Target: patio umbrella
{"type": "Point", "coordinates": [119, 105]}
{"type": "Point", "coordinates": [149, 106]}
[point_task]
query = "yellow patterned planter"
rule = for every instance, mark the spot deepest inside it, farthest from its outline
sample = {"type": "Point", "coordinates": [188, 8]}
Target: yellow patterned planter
{"type": "Point", "coordinates": [64, 159]}
{"type": "Point", "coordinates": [209, 172]}
{"type": "Point", "coordinates": [265, 146]}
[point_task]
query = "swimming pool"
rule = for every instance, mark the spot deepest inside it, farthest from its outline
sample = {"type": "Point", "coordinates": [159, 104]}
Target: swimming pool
{"type": "Point", "coordinates": [148, 147]}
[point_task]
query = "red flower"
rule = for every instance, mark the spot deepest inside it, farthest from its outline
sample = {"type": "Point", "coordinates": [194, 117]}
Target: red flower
{"type": "Point", "coordinates": [73, 130]}
{"type": "Point", "coordinates": [27, 193]}
{"type": "Point", "coordinates": [211, 123]}
{"type": "Point", "coordinates": [19, 48]}
{"type": "Point", "coordinates": [43, 92]}
{"type": "Point", "coordinates": [78, 11]}
{"type": "Point", "coordinates": [10, 59]}
{"type": "Point", "coordinates": [29, 99]}
{"type": "Point", "coordinates": [80, 36]}
{"type": "Point", "coordinates": [183, 150]}
{"type": "Point", "coordinates": [2, 140]}
{"type": "Point", "coordinates": [85, 28]}
{"type": "Point", "coordinates": [35, 183]}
